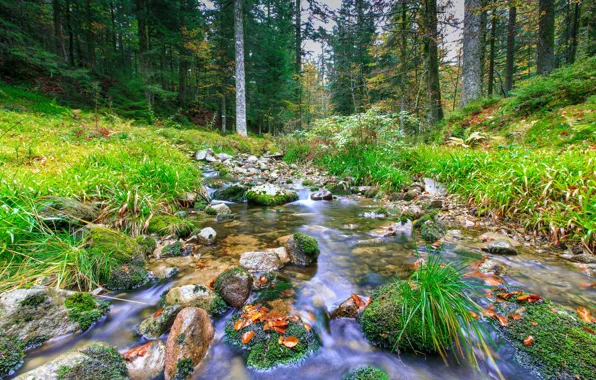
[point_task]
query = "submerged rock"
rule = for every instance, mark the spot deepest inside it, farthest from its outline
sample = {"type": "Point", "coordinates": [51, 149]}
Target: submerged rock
{"type": "Point", "coordinates": [347, 309]}
{"type": "Point", "coordinates": [60, 212]}
{"type": "Point", "coordinates": [324, 195]}
{"type": "Point", "coordinates": [150, 365]}
{"type": "Point", "coordinates": [492, 267]}
{"type": "Point", "coordinates": [220, 208]}
{"type": "Point", "coordinates": [234, 193]}
{"type": "Point", "coordinates": [393, 229]}
{"type": "Point", "coordinates": [499, 244]}
{"type": "Point", "coordinates": [40, 313]}
{"type": "Point", "coordinates": [164, 272]}
{"type": "Point", "coordinates": [187, 343]}
{"type": "Point", "coordinates": [159, 323]}
{"type": "Point", "coordinates": [264, 261]}
{"type": "Point", "coordinates": [303, 249]}
{"type": "Point", "coordinates": [270, 195]}
{"type": "Point", "coordinates": [234, 286]}
{"type": "Point", "coordinates": [95, 361]}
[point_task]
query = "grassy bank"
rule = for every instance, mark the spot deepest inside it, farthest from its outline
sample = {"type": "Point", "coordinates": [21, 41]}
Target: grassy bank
{"type": "Point", "coordinates": [530, 158]}
{"type": "Point", "coordinates": [131, 171]}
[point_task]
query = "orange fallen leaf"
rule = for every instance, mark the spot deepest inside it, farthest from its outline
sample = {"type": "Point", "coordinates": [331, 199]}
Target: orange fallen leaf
{"type": "Point", "coordinates": [290, 341]}
{"type": "Point", "coordinates": [534, 323]}
{"type": "Point", "coordinates": [589, 330]}
{"type": "Point", "coordinates": [529, 341]}
{"type": "Point", "coordinates": [493, 314]}
{"type": "Point", "coordinates": [158, 313]}
{"type": "Point", "coordinates": [211, 284]}
{"type": "Point", "coordinates": [201, 265]}
{"type": "Point", "coordinates": [506, 296]}
{"type": "Point", "coordinates": [584, 315]}
{"type": "Point", "coordinates": [360, 302]}
{"type": "Point", "coordinates": [474, 315]}
{"type": "Point", "coordinates": [515, 316]}
{"type": "Point", "coordinates": [136, 351]}
{"type": "Point", "coordinates": [238, 324]}
{"type": "Point", "coordinates": [530, 298]}
{"type": "Point", "coordinates": [247, 336]}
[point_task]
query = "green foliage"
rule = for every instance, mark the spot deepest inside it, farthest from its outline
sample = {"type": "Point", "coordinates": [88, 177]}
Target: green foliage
{"type": "Point", "coordinates": [164, 225]}
{"type": "Point", "coordinates": [366, 373]}
{"type": "Point", "coordinates": [103, 362]}
{"type": "Point", "coordinates": [85, 310]}
{"type": "Point", "coordinates": [12, 354]}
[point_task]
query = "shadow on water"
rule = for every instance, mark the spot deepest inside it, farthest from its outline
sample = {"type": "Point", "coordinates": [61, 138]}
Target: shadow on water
{"type": "Point", "coordinates": [344, 267]}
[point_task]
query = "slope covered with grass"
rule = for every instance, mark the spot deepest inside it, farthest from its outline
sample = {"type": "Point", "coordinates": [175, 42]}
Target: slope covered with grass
{"type": "Point", "coordinates": [530, 158]}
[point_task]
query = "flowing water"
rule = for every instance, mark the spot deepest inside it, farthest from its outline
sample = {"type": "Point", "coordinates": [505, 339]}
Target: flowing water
{"type": "Point", "coordinates": [344, 267]}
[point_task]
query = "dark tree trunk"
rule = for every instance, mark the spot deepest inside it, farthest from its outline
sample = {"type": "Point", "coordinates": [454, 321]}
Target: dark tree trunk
{"type": "Point", "coordinates": [432, 59]}
{"type": "Point", "coordinates": [90, 37]}
{"type": "Point", "coordinates": [472, 70]}
{"type": "Point", "coordinates": [183, 66]}
{"type": "Point", "coordinates": [510, 60]}
{"type": "Point", "coordinates": [60, 50]}
{"type": "Point", "coordinates": [483, 23]}
{"type": "Point", "coordinates": [298, 32]}
{"type": "Point", "coordinates": [142, 31]}
{"type": "Point", "coordinates": [573, 35]}
{"type": "Point", "coordinates": [71, 55]}
{"type": "Point", "coordinates": [545, 60]}
{"type": "Point", "coordinates": [491, 61]}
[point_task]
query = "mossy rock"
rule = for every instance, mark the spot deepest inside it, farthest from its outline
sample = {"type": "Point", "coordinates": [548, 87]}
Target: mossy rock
{"type": "Point", "coordinates": [382, 324]}
{"type": "Point", "coordinates": [432, 231]}
{"type": "Point", "coordinates": [234, 286]}
{"type": "Point", "coordinates": [102, 362]}
{"type": "Point", "coordinates": [270, 195]}
{"type": "Point", "coordinates": [340, 188]}
{"type": "Point", "coordinates": [264, 351]}
{"type": "Point", "coordinates": [172, 250]}
{"type": "Point", "coordinates": [165, 225]}
{"type": "Point", "coordinates": [366, 373]}
{"type": "Point", "coordinates": [85, 310]}
{"type": "Point", "coordinates": [147, 244]}
{"type": "Point", "coordinates": [307, 182]}
{"type": "Point", "coordinates": [130, 275]}
{"type": "Point", "coordinates": [60, 212]}
{"type": "Point", "coordinates": [210, 211]}
{"type": "Point", "coordinates": [302, 249]}
{"type": "Point", "coordinates": [234, 193]}
{"type": "Point", "coordinates": [218, 306]}
{"type": "Point", "coordinates": [12, 354]}
{"type": "Point", "coordinates": [563, 346]}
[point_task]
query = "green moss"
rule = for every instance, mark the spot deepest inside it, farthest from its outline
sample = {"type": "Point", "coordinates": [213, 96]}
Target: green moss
{"type": "Point", "coordinates": [340, 189]}
{"type": "Point", "coordinates": [34, 300]}
{"type": "Point", "coordinates": [85, 310]}
{"type": "Point", "coordinates": [382, 323]}
{"type": "Point", "coordinates": [234, 193]}
{"type": "Point", "coordinates": [270, 294]}
{"type": "Point", "coordinates": [181, 338]}
{"type": "Point", "coordinates": [431, 215]}
{"type": "Point", "coordinates": [264, 351]}
{"type": "Point", "coordinates": [217, 306]}
{"type": "Point", "coordinates": [271, 200]}
{"type": "Point", "coordinates": [432, 231]}
{"type": "Point", "coordinates": [200, 205]}
{"type": "Point", "coordinates": [164, 225]}
{"type": "Point", "coordinates": [172, 250]}
{"type": "Point", "coordinates": [184, 369]}
{"type": "Point", "coordinates": [146, 243]}
{"type": "Point", "coordinates": [128, 276]}
{"type": "Point", "coordinates": [12, 354]}
{"type": "Point", "coordinates": [366, 373]}
{"type": "Point", "coordinates": [222, 278]}
{"type": "Point", "coordinates": [307, 182]}
{"type": "Point", "coordinates": [308, 245]}
{"type": "Point", "coordinates": [102, 241]}
{"type": "Point", "coordinates": [210, 211]}
{"type": "Point", "coordinates": [314, 189]}
{"type": "Point", "coordinates": [104, 362]}
{"type": "Point", "coordinates": [562, 347]}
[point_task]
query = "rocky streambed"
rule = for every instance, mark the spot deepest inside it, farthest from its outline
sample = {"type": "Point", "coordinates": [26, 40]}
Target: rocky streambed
{"type": "Point", "coordinates": [258, 281]}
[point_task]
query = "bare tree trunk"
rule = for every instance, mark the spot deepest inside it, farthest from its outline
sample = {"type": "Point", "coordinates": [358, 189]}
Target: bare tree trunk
{"type": "Point", "coordinates": [71, 55]}
{"type": "Point", "coordinates": [574, 31]}
{"type": "Point", "coordinates": [142, 31]}
{"type": "Point", "coordinates": [90, 35]}
{"type": "Point", "coordinates": [472, 69]}
{"type": "Point", "coordinates": [545, 59]}
{"type": "Point", "coordinates": [432, 59]}
{"type": "Point", "coordinates": [223, 113]}
{"type": "Point", "coordinates": [491, 61]}
{"type": "Point", "coordinates": [483, 22]}
{"type": "Point", "coordinates": [183, 64]}
{"type": "Point", "coordinates": [240, 81]}
{"type": "Point", "coordinates": [298, 28]}
{"type": "Point", "coordinates": [60, 50]}
{"type": "Point", "coordinates": [510, 60]}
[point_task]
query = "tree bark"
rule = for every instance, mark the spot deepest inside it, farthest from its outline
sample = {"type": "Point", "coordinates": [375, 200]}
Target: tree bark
{"type": "Point", "coordinates": [510, 59]}
{"type": "Point", "coordinates": [298, 32]}
{"type": "Point", "coordinates": [432, 60]}
{"type": "Point", "coordinates": [90, 35]}
{"type": "Point", "coordinates": [142, 32]}
{"type": "Point", "coordinates": [183, 64]}
{"type": "Point", "coordinates": [491, 59]}
{"type": "Point", "coordinates": [240, 81]}
{"type": "Point", "coordinates": [574, 30]}
{"type": "Point", "coordinates": [545, 59]}
{"type": "Point", "coordinates": [71, 55]}
{"type": "Point", "coordinates": [60, 50]}
{"type": "Point", "coordinates": [472, 70]}
{"type": "Point", "coordinates": [483, 23]}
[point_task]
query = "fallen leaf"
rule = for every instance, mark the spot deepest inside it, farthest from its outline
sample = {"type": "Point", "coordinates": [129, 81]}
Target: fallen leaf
{"type": "Point", "coordinates": [474, 315]}
{"type": "Point", "coordinates": [136, 351]}
{"type": "Point", "coordinates": [360, 302]}
{"type": "Point", "coordinates": [238, 324]}
{"type": "Point", "coordinates": [211, 284]}
{"type": "Point", "coordinates": [534, 323]}
{"type": "Point", "coordinates": [247, 336]}
{"type": "Point", "coordinates": [493, 314]}
{"type": "Point", "coordinates": [201, 265]}
{"type": "Point", "coordinates": [530, 298]}
{"type": "Point", "coordinates": [158, 313]}
{"type": "Point", "coordinates": [490, 279]}
{"type": "Point", "coordinates": [290, 341]}
{"type": "Point", "coordinates": [589, 330]}
{"type": "Point", "coordinates": [584, 315]}
{"type": "Point", "coordinates": [529, 341]}
{"type": "Point", "coordinates": [515, 316]}
{"type": "Point", "coordinates": [588, 285]}
{"type": "Point", "coordinates": [506, 296]}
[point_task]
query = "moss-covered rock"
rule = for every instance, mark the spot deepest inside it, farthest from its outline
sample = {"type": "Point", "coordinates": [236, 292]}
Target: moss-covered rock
{"type": "Point", "coordinates": [210, 211]}
{"type": "Point", "coordinates": [102, 362]}
{"type": "Point", "coordinates": [85, 310]}
{"type": "Point", "coordinates": [217, 306]}
{"type": "Point", "coordinates": [59, 212]}
{"type": "Point", "coordinates": [159, 323]}
{"type": "Point", "coordinates": [146, 244]}
{"type": "Point", "coordinates": [270, 195]}
{"type": "Point", "coordinates": [127, 276]}
{"type": "Point", "coordinates": [264, 350]}
{"type": "Point", "coordinates": [563, 346]}
{"type": "Point", "coordinates": [12, 354]}
{"type": "Point", "coordinates": [382, 323]}
{"type": "Point", "coordinates": [172, 250]}
{"type": "Point", "coordinates": [432, 231]}
{"type": "Point", "coordinates": [366, 373]}
{"type": "Point", "coordinates": [165, 225]}
{"type": "Point", "coordinates": [303, 249]}
{"type": "Point", "coordinates": [234, 193]}
{"type": "Point", "coordinates": [234, 286]}
{"type": "Point", "coordinates": [340, 188]}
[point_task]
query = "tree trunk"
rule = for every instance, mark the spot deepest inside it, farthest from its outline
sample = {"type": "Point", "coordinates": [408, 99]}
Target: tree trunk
{"type": "Point", "coordinates": [510, 60]}
{"type": "Point", "coordinates": [432, 59]}
{"type": "Point", "coordinates": [183, 65]}
{"type": "Point", "coordinates": [574, 30]}
{"type": "Point", "coordinates": [483, 22]}
{"type": "Point", "coordinates": [60, 50]}
{"type": "Point", "coordinates": [71, 55]}
{"type": "Point", "coordinates": [90, 37]}
{"type": "Point", "coordinates": [491, 61]}
{"type": "Point", "coordinates": [545, 60]}
{"type": "Point", "coordinates": [223, 113]}
{"type": "Point", "coordinates": [142, 31]}
{"type": "Point", "coordinates": [472, 70]}
{"type": "Point", "coordinates": [240, 82]}
{"type": "Point", "coordinates": [298, 28]}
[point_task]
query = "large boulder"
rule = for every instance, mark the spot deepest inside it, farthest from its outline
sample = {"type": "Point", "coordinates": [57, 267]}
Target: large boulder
{"type": "Point", "coordinates": [159, 323]}
{"type": "Point", "coordinates": [166, 225]}
{"type": "Point", "coordinates": [270, 195]}
{"type": "Point", "coordinates": [94, 361]}
{"type": "Point", "coordinates": [264, 261]}
{"type": "Point", "coordinates": [149, 363]}
{"type": "Point", "coordinates": [59, 212]}
{"type": "Point", "coordinates": [234, 193]}
{"type": "Point", "coordinates": [187, 343]}
{"type": "Point", "coordinates": [323, 195]}
{"type": "Point", "coordinates": [218, 209]}
{"type": "Point", "coordinates": [41, 313]}
{"type": "Point", "coordinates": [234, 286]}
{"type": "Point", "coordinates": [303, 249]}
{"type": "Point", "coordinates": [190, 295]}
{"type": "Point", "coordinates": [207, 236]}
{"type": "Point", "coordinates": [12, 353]}
{"type": "Point", "coordinates": [499, 244]}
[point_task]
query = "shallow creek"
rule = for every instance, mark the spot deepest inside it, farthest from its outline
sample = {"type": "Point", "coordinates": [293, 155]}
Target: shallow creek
{"type": "Point", "coordinates": [343, 268]}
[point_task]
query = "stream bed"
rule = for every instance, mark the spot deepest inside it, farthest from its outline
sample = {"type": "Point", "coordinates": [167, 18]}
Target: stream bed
{"type": "Point", "coordinates": [344, 267]}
